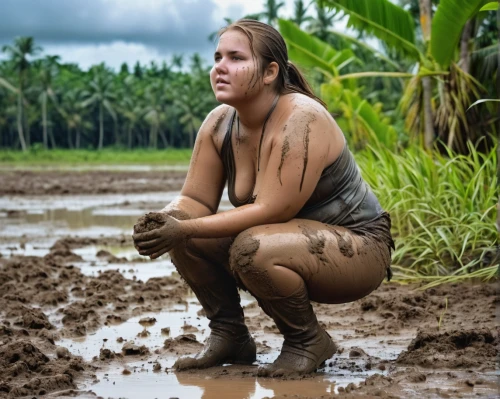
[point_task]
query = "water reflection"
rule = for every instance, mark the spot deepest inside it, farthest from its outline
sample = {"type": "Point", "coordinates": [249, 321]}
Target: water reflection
{"type": "Point", "coordinates": [252, 388]}
{"type": "Point", "coordinates": [85, 218]}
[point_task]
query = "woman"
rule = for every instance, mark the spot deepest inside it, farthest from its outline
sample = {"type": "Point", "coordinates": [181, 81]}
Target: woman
{"type": "Point", "coordinates": [305, 224]}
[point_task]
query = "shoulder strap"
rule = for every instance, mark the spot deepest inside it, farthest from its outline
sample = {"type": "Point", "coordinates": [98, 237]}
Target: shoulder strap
{"type": "Point", "coordinates": [264, 128]}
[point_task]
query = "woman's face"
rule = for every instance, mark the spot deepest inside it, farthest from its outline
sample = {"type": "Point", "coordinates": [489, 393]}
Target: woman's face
{"type": "Point", "coordinates": [234, 76]}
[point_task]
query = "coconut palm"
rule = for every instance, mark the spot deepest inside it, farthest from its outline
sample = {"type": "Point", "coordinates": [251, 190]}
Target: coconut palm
{"type": "Point", "coordinates": [178, 61]}
{"type": "Point", "coordinates": [196, 63]}
{"type": "Point", "coordinates": [23, 48]}
{"type": "Point", "coordinates": [154, 112]}
{"type": "Point", "coordinates": [129, 107]}
{"type": "Point", "coordinates": [300, 12]}
{"type": "Point", "coordinates": [271, 11]}
{"type": "Point", "coordinates": [320, 25]}
{"type": "Point", "coordinates": [73, 112]}
{"type": "Point", "coordinates": [47, 68]}
{"type": "Point", "coordinates": [100, 93]}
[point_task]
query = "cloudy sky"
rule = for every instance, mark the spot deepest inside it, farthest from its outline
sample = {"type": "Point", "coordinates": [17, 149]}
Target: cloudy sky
{"type": "Point", "coordinates": [116, 31]}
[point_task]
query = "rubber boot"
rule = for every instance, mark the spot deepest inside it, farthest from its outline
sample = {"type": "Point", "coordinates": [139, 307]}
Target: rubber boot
{"type": "Point", "coordinates": [306, 344]}
{"type": "Point", "coordinates": [229, 340]}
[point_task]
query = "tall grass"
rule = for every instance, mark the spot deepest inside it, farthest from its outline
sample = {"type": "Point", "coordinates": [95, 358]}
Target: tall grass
{"type": "Point", "coordinates": [442, 208]}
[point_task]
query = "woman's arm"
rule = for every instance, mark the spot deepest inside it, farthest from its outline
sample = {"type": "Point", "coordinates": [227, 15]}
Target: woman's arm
{"type": "Point", "coordinates": [202, 190]}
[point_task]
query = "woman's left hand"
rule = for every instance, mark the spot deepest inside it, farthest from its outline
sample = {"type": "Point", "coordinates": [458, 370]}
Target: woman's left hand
{"type": "Point", "coordinates": [157, 242]}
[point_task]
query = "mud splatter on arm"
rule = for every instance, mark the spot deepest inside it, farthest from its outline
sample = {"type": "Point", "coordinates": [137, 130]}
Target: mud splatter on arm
{"type": "Point", "coordinates": [311, 118]}
{"type": "Point", "coordinates": [216, 129]}
{"type": "Point", "coordinates": [284, 151]}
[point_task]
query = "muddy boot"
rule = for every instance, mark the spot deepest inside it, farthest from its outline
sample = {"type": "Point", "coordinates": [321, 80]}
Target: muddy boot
{"type": "Point", "coordinates": [229, 340]}
{"type": "Point", "coordinates": [306, 344]}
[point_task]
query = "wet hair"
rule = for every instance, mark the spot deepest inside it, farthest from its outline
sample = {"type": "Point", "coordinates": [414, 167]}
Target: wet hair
{"type": "Point", "coordinates": [268, 45]}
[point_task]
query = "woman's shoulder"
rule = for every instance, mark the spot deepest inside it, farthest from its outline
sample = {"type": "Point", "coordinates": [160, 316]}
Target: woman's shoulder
{"type": "Point", "coordinates": [215, 121]}
{"type": "Point", "coordinates": [298, 105]}
{"type": "Point", "coordinates": [307, 119]}
{"type": "Point", "coordinates": [216, 124]}
{"type": "Point", "coordinates": [218, 113]}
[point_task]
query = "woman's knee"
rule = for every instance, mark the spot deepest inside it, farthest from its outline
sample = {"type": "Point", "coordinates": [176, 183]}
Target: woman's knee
{"type": "Point", "coordinates": [243, 252]}
{"type": "Point", "coordinates": [252, 250]}
{"type": "Point", "coordinates": [185, 259]}
{"type": "Point", "coordinates": [195, 259]}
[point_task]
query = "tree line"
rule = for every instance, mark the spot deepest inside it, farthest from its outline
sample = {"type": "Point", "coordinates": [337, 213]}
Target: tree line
{"type": "Point", "coordinates": [395, 92]}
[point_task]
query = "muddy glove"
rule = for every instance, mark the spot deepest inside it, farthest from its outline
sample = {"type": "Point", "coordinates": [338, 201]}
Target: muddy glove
{"type": "Point", "coordinates": [157, 233]}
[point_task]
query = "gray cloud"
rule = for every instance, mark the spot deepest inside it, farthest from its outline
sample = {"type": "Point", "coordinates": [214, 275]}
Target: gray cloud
{"type": "Point", "coordinates": [167, 25]}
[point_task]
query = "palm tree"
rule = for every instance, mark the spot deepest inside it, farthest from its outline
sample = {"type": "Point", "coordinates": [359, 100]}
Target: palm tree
{"type": "Point", "coordinates": [100, 93]}
{"type": "Point", "coordinates": [129, 107]}
{"type": "Point", "coordinates": [154, 112]}
{"type": "Point", "coordinates": [190, 106]}
{"type": "Point", "coordinates": [196, 63]}
{"type": "Point", "coordinates": [178, 61]}
{"type": "Point", "coordinates": [47, 69]}
{"type": "Point", "coordinates": [73, 112]}
{"type": "Point", "coordinates": [271, 10]}
{"type": "Point", "coordinates": [23, 48]}
{"type": "Point", "coordinates": [300, 11]}
{"type": "Point", "coordinates": [321, 25]}
{"type": "Point", "coordinates": [138, 70]}
{"type": "Point", "coordinates": [425, 24]}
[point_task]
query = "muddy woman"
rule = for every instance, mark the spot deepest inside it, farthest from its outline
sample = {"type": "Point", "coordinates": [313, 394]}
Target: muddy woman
{"type": "Point", "coordinates": [305, 226]}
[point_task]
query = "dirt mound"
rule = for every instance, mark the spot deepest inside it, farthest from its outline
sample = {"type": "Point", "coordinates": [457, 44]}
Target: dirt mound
{"type": "Point", "coordinates": [79, 242]}
{"type": "Point", "coordinates": [183, 344]}
{"type": "Point", "coordinates": [453, 349]}
{"type": "Point", "coordinates": [25, 370]}
{"type": "Point", "coordinates": [28, 317]}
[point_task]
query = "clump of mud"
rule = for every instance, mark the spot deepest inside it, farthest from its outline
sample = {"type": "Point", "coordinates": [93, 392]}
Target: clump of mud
{"type": "Point", "coordinates": [154, 220]}
{"type": "Point", "coordinates": [150, 221]}
{"type": "Point", "coordinates": [453, 349]}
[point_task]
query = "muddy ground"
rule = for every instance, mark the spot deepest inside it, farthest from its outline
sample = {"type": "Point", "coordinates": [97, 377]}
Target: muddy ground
{"type": "Point", "coordinates": [82, 315]}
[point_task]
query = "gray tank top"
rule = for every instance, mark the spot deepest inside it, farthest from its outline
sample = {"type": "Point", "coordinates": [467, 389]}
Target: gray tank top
{"type": "Point", "coordinates": [341, 197]}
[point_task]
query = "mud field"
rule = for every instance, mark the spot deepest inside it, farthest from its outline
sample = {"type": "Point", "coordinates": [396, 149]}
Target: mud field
{"type": "Point", "coordinates": [83, 315]}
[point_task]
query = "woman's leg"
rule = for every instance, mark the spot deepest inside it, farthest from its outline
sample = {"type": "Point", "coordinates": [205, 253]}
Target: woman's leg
{"type": "Point", "coordinates": [286, 265]}
{"type": "Point", "coordinates": [203, 264]}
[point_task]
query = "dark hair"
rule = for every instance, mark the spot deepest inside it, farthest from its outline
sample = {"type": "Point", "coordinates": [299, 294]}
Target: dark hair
{"type": "Point", "coordinates": [268, 45]}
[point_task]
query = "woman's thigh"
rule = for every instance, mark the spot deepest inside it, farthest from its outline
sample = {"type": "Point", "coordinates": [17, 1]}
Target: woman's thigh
{"type": "Point", "coordinates": [336, 264]}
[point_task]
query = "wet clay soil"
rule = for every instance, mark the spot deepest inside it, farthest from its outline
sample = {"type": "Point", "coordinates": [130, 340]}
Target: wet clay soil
{"type": "Point", "coordinates": [390, 343]}
{"type": "Point", "coordinates": [88, 182]}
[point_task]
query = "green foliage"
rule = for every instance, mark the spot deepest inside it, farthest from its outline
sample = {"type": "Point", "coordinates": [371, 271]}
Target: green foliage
{"type": "Point", "coordinates": [484, 100]}
{"type": "Point", "coordinates": [384, 20]}
{"type": "Point", "coordinates": [442, 209]}
{"type": "Point", "coordinates": [361, 120]}
{"type": "Point", "coordinates": [447, 25]}
{"type": "Point", "coordinates": [311, 52]}
{"type": "Point", "coordinates": [492, 6]}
